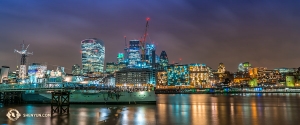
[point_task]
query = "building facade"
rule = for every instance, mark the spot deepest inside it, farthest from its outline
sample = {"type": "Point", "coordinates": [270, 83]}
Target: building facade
{"type": "Point", "coordinates": [164, 61]}
{"type": "Point", "coordinates": [112, 67]}
{"type": "Point", "coordinates": [133, 77]}
{"type": "Point", "coordinates": [150, 53]}
{"type": "Point", "coordinates": [36, 72]}
{"type": "Point", "coordinates": [178, 75]}
{"type": "Point", "coordinates": [199, 75]}
{"type": "Point", "coordinates": [161, 78]}
{"type": "Point", "coordinates": [93, 55]}
{"type": "Point", "coordinates": [4, 74]}
{"type": "Point", "coordinates": [120, 58]}
{"type": "Point", "coordinates": [76, 70]}
{"type": "Point", "coordinates": [134, 55]}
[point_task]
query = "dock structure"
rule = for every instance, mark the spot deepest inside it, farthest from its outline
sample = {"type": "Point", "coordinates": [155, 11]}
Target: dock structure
{"type": "Point", "coordinates": [60, 103]}
{"type": "Point", "coordinates": [1, 97]}
{"type": "Point", "coordinates": [11, 97]}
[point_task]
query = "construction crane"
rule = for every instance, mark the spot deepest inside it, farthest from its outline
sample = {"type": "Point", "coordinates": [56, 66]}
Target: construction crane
{"type": "Point", "coordinates": [143, 40]}
{"type": "Point", "coordinates": [23, 53]}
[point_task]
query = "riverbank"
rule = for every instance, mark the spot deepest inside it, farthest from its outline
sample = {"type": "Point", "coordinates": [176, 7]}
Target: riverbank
{"type": "Point", "coordinates": [224, 90]}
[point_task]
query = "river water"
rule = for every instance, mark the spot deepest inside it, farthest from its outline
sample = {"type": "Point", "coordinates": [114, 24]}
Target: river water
{"type": "Point", "coordinates": [173, 109]}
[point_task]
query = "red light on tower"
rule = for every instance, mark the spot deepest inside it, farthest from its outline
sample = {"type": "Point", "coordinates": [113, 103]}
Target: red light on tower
{"type": "Point", "coordinates": [147, 18]}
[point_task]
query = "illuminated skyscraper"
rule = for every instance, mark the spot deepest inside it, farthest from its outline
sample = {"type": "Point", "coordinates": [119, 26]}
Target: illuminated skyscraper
{"type": "Point", "coordinates": [164, 61]}
{"type": "Point", "coordinates": [134, 55]}
{"type": "Point", "coordinates": [150, 53]}
{"type": "Point", "coordinates": [93, 54]}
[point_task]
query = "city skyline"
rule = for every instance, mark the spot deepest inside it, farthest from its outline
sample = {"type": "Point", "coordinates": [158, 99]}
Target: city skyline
{"type": "Point", "coordinates": [262, 33]}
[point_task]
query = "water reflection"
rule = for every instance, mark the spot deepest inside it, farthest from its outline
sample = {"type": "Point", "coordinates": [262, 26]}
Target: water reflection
{"type": "Point", "coordinates": [230, 109]}
{"type": "Point", "coordinates": [195, 109]}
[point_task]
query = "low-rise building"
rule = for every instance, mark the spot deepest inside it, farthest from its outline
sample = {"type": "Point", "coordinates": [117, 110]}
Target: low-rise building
{"type": "Point", "coordinates": [133, 77]}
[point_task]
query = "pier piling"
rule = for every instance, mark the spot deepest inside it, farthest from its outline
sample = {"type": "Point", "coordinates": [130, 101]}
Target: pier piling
{"type": "Point", "coordinates": [60, 103]}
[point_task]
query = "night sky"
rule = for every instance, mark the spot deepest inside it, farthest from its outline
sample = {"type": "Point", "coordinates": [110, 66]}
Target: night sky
{"type": "Point", "coordinates": [264, 33]}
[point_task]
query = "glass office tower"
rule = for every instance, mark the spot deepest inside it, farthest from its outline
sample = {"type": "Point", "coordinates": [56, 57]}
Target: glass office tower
{"type": "Point", "coordinates": [93, 55]}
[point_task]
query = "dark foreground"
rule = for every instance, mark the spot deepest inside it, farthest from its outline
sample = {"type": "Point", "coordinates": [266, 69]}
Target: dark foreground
{"type": "Point", "coordinates": [175, 109]}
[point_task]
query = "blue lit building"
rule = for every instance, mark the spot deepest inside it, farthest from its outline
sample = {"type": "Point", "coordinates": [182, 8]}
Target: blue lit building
{"type": "Point", "coordinates": [150, 53]}
{"type": "Point", "coordinates": [178, 75]}
{"type": "Point", "coordinates": [93, 54]}
{"type": "Point", "coordinates": [134, 55]}
{"type": "Point", "coordinates": [36, 72]}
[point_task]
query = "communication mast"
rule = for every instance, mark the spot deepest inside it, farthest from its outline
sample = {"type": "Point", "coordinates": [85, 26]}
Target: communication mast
{"type": "Point", "coordinates": [24, 54]}
{"type": "Point", "coordinates": [143, 41]}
